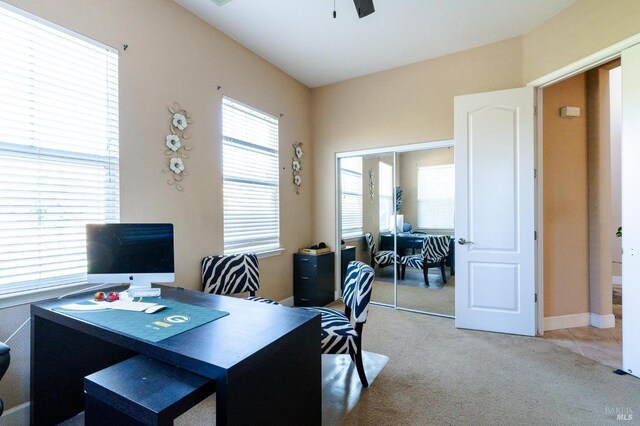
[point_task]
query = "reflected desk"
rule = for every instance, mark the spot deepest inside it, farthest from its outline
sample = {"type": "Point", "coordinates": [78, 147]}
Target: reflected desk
{"type": "Point", "coordinates": [413, 242]}
{"type": "Point", "coordinates": [265, 359]}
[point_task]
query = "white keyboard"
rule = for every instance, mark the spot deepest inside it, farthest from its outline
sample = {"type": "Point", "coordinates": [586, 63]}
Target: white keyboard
{"type": "Point", "coordinates": [127, 305]}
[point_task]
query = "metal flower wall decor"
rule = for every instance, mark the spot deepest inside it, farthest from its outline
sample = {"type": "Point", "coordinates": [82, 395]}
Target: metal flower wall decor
{"type": "Point", "coordinates": [176, 146]}
{"type": "Point", "coordinates": [296, 165]}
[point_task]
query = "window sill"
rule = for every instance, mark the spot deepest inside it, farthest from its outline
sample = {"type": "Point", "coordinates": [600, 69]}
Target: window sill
{"type": "Point", "coordinates": [37, 295]}
{"type": "Point", "coordinates": [270, 253]}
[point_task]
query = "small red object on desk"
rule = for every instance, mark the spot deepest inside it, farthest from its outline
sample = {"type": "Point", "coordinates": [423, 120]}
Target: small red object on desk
{"type": "Point", "coordinates": [99, 296]}
{"type": "Point", "coordinates": [112, 296]}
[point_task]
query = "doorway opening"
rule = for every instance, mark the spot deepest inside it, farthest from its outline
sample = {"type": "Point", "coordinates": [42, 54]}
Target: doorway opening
{"type": "Point", "coordinates": [581, 187]}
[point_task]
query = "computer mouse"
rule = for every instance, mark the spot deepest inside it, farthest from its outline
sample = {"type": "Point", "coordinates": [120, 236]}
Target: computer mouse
{"type": "Point", "coordinates": [153, 309]}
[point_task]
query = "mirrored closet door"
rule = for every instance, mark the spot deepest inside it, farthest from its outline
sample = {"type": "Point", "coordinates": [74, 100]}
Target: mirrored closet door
{"type": "Point", "coordinates": [396, 213]}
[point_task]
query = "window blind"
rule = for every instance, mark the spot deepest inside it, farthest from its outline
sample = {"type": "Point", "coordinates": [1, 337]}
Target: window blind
{"type": "Point", "coordinates": [251, 179]}
{"type": "Point", "coordinates": [436, 197]}
{"type": "Point", "coordinates": [387, 204]}
{"type": "Point", "coordinates": [351, 190]}
{"type": "Point", "coordinates": [58, 147]}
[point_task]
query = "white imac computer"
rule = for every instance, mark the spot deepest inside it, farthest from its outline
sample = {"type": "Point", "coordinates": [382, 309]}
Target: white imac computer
{"type": "Point", "coordinates": [134, 253]}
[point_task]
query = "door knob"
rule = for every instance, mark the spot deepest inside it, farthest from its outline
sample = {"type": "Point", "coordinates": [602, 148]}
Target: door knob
{"type": "Point", "coordinates": [462, 241]}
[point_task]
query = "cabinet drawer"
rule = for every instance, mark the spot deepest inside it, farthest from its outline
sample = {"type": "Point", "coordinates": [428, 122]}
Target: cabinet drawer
{"type": "Point", "coordinates": [304, 301]}
{"type": "Point", "coordinates": [304, 270]}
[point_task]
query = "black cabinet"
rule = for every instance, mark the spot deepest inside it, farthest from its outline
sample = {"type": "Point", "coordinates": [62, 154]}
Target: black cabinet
{"type": "Point", "coordinates": [313, 278]}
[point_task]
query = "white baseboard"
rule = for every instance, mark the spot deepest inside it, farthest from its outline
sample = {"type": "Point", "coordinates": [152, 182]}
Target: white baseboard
{"type": "Point", "coordinates": [602, 321]}
{"type": "Point", "coordinates": [579, 320]}
{"type": "Point", "coordinates": [566, 321]}
{"type": "Point", "coordinates": [616, 280]}
{"type": "Point", "coordinates": [287, 302]}
{"type": "Point", "coordinates": [16, 416]}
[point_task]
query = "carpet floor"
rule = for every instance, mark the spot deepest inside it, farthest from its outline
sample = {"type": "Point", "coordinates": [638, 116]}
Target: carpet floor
{"type": "Point", "coordinates": [438, 298]}
{"type": "Point", "coordinates": [440, 375]}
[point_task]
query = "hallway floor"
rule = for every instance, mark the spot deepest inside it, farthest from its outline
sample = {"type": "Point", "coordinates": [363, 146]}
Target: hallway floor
{"type": "Point", "coordinates": [599, 344]}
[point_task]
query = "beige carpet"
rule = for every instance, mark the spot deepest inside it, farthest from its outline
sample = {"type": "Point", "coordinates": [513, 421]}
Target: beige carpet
{"type": "Point", "coordinates": [438, 298]}
{"type": "Point", "coordinates": [439, 375]}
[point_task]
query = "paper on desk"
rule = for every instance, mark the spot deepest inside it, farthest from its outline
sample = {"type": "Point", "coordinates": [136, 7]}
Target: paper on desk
{"type": "Point", "coordinates": [84, 306]}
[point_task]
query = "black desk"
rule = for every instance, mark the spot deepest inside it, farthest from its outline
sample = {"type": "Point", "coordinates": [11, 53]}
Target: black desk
{"type": "Point", "coordinates": [413, 242]}
{"type": "Point", "coordinates": [264, 359]}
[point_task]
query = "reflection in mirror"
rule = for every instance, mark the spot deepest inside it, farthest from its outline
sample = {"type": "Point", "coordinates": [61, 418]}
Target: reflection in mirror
{"type": "Point", "coordinates": [367, 206]}
{"type": "Point", "coordinates": [427, 181]}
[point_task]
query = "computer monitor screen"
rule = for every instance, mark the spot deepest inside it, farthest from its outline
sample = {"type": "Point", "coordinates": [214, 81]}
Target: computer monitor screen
{"type": "Point", "coordinates": [135, 253]}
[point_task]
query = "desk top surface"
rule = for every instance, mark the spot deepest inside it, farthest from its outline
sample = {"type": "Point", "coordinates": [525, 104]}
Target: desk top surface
{"type": "Point", "coordinates": [222, 347]}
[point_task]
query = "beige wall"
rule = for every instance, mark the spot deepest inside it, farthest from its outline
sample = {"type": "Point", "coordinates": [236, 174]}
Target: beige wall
{"type": "Point", "coordinates": [175, 57]}
{"type": "Point", "coordinates": [566, 221]}
{"type": "Point", "coordinates": [578, 31]}
{"type": "Point", "coordinates": [406, 105]}
{"type": "Point", "coordinates": [408, 163]}
{"type": "Point", "coordinates": [600, 212]}
{"type": "Point", "coordinates": [615, 108]}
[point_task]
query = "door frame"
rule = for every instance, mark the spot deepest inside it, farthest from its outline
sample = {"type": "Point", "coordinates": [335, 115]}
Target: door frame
{"type": "Point", "coordinates": [594, 60]}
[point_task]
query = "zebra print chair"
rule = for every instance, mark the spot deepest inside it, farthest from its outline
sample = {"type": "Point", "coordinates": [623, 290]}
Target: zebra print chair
{"type": "Point", "coordinates": [381, 258]}
{"type": "Point", "coordinates": [338, 334]}
{"type": "Point", "coordinates": [435, 249]}
{"type": "Point", "coordinates": [232, 274]}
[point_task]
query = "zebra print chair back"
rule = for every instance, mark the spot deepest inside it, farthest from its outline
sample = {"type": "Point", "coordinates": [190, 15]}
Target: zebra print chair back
{"type": "Point", "coordinates": [436, 247]}
{"type": "Point", "coordinates": [370, 243]}
{"type": "Point", "coordinates": [230, 274]}
{"type": "Point", "coordinates": [357, 290]}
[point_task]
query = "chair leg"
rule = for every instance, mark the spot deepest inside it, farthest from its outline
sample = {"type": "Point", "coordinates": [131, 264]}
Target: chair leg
{"type": "Point", "coordinates": [425, 272]}
{"type": "Point", "coordinates": [444, 275]}
{"type": "Point", "coordinates": [404, 268]}
{"type": "Point", "coordinates": [360, 368]}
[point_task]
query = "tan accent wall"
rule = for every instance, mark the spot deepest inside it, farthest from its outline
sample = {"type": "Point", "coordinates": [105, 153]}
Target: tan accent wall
{"type": "Point", "coordinates": [174, 56]}
{"type": "Point", "coordinates": [408, 163]}
{"type": "Point", "coordinates": [580, 30]}
{"type": "Point", "coordinates": [566, 221]}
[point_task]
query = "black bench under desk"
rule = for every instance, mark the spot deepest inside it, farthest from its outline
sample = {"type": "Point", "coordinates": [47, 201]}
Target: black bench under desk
{"type": "Point", "coordinates": [142, 391]}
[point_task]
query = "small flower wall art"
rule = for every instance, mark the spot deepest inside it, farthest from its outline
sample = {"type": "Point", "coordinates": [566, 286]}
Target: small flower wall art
{"type": "Point", "coordinates": [296, 166]}
{"type": "Point", "coordinates": [176, 147]}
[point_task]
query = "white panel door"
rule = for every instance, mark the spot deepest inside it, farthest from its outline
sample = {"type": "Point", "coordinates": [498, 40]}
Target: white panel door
{"type": "Point", "coordinates": [631, 210]}
{"type": "Point", "coordinates": [495, 251]}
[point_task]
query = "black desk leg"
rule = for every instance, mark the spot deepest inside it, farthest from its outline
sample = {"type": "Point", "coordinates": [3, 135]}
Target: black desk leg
{"type": "Point", "coordinates": [60, 358]}
{"type": "Point", "coordinates": [285, 388]}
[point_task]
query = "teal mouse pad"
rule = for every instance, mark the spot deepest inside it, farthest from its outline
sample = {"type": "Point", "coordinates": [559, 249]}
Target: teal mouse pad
{"type": "Point", "coordinates": [176, 318]}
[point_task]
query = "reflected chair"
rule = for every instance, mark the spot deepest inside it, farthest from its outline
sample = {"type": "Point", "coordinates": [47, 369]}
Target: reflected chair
{"type": "Point", "coordinates": [5, 358]}
{"type": "Point", "coordinates": [339, 336]}
{"type": "Point", "coordinates": [435, 249]}
{"type": "Point", "coordinates": [232, 274]}
{"type": "Point", "coordinates": [381, 258]}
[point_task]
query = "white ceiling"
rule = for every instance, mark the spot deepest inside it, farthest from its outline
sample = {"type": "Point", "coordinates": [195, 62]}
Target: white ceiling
{"type": "Point", "coordinates": [301, 37]}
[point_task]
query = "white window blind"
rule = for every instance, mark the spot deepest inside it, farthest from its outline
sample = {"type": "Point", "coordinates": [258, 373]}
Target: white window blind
{"type": "Point", "coordinates": [251, 179]}
{"type": "Point", "coordinates": [436, 197]}
{"type": "Point", "coordinates": [58, 147]}
{"type": "Point", "coordinates": [387, 204]}
{"type": "Point", "coordinates": [351, 185]}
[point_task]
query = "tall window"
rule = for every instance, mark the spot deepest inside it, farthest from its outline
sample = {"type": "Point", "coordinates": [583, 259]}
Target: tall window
{"type": "Point", "coordinates": [58, 147]}
{"type": "Point", "coordinates": [436, 196]}
{"type": "Point", "coordinates": [351, 185]}
{"type": "Point", "coordinates": [251, 183]}
{"type": "Point", "coordinates": [385, 185]}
